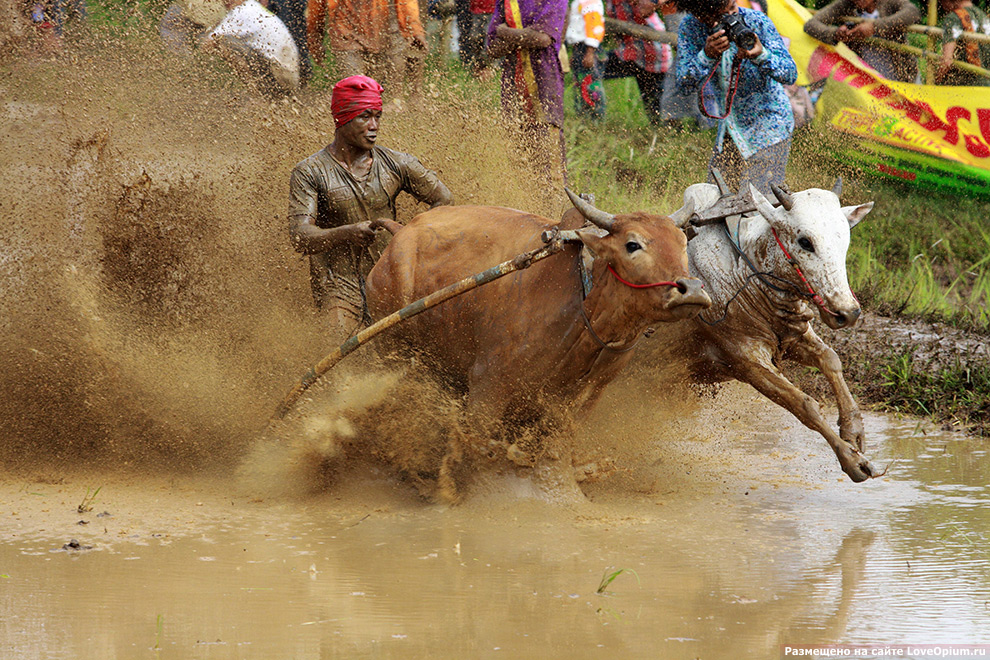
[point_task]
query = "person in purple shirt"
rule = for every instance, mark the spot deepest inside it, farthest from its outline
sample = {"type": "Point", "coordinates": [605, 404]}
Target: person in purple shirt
{"type": "Point", "coordinates": [527, 35]}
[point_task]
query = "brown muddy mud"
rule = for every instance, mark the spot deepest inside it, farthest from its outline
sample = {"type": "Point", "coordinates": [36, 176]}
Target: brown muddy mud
{"type": "Point", "coordinates": [154, 315]}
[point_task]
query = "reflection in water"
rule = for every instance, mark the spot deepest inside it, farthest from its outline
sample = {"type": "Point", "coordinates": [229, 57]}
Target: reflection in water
{"type": "Point", "coordinates": [734, 567]}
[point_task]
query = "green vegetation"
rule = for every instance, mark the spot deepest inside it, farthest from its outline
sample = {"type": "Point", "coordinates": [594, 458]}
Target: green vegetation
{"type": "Point", "coordinates": [958, 393]}
{"type": "Point", "coordinates": [88, 500]}
{"type": "Point", "coordinates": [609, 576]}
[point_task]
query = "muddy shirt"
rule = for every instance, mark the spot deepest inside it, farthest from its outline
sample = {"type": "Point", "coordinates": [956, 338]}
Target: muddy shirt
{"type": "Point", "coordinates": [324, 189]}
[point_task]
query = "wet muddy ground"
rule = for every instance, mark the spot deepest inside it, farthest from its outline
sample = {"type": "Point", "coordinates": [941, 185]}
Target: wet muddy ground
{"type": "Point", "coordinates": [153, 316]}
{"type": "Point", "coordinates": [748, 539]}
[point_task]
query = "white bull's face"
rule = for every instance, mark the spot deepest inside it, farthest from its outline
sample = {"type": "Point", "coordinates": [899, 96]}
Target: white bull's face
{"type": "Point", "coordinates": [815, 233]}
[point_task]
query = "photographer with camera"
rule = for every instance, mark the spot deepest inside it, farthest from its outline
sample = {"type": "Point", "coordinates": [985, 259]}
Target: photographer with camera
{"type": "Point", "coordinates": [886, 19]}
{"type": "Point", "coordinates": [738, 64]}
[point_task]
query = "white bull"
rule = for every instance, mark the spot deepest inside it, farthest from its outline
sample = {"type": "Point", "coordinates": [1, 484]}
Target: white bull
{"type": "Point", "coordinates": [760, 292]}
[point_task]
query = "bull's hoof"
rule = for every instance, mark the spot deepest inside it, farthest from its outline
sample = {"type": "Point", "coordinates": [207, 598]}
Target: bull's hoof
{"type": "Point", "coordinates": [860, 469]}
{"type": "Point", "coordinates": [853, 433]}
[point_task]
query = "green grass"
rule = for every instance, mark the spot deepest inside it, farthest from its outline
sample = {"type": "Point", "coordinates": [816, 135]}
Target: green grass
{"type": "Point", "coordinates": [953, 392]}
{"type": "Point", "coordinates": [609, 576]}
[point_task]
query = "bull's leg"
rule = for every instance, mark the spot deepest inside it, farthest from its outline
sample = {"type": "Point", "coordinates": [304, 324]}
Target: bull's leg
{"type": "Point", "coordinates": [760, 372]}
{"type": "Point", "coordinates": [811, 351]}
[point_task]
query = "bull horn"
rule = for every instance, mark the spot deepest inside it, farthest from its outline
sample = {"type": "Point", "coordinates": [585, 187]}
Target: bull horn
{"type": "Point", "coordinates": [596, 216]}
{"type": "Point", "coordinates": [784, 198]}
{"type": "Point", "coordinates": [837, 188]}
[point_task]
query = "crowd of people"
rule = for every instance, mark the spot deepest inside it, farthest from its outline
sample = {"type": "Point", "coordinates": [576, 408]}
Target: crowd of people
{"type": "Point", "coordinates": [387, 39]}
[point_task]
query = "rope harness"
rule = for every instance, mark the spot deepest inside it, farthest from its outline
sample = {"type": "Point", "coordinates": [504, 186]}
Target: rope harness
{"type": "Point", "coordinates": [640, 286]}
{"type": "Point", "coordinates": [812, 294]}
{"type": "Point", "coordinates": [730, 95]}
{"type": "Point", "coordinates": [584, 315]}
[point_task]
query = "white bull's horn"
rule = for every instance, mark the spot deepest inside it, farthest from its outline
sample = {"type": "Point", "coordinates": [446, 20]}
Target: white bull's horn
{"type": "Point", "coordinates": [837, 188]}
{"type": "Point", "coordinates": [596, 216]}
{"type": "Point", "coordinates": [784, 198]}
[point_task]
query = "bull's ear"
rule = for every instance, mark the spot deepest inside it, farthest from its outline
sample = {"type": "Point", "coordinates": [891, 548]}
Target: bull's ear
{"type": "Point", "coordinates": [763, 204]}
{"type": "Point", "coordinates": [683, 214]}
{"type": "Point", "coordinates": [593, 240]}
{"type": "Point", "coordinates": [751, 229]}
{"type": "Point", "coordinates": [856, 213]}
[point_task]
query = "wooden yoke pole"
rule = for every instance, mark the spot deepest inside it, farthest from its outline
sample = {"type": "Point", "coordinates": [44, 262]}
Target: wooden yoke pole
{"type": "Point", "coordinates": [932, 22]}
{"type": "Point", "coordinates": [934, 36]}
{"type": "Point", "coordinates": [555, 243]}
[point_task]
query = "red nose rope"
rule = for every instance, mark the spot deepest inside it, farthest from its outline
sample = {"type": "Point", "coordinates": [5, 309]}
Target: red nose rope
{"type": "Point", "coordinates": [815, 298]}
{"type": "Point", "coordinates": [639, 286]}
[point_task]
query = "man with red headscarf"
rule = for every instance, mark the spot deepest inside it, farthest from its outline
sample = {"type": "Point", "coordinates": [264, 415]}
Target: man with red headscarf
{"type": "Point", "coordinates": [339, 196]}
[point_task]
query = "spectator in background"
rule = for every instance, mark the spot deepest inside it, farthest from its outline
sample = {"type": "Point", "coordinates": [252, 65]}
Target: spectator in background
{"type": "Point", "coordinates": [364, 38]}
{"type": "Point", "coordinates": [585, 31]}
{"type": "Point", "coordinates": [293, 14]}
{"type": "Point", "coordinates": [886, 19]}
{"type": "Point", "coordinates": [527, 35]}
{"type": "Point", "coordinates": [465, 21]}
{"type": "Point", "coordinates": [961, 16]}
{"type": "Point", "coordinates": [676, 105]}
{"type": "Point", "coordinates": [646, 61]}
{"type": "Point", "coordinates": [63, 10]}
{"type": "Point", "coordinates": [40, 15]}
{"type": "Point", "coordinates": [481, 15]}
{"type": "Point", "coordinates": [753, 143]}
{"type": "Point", "coordinates": [258, 46]}
{"type": "Point", "coordinates": [187, 22]}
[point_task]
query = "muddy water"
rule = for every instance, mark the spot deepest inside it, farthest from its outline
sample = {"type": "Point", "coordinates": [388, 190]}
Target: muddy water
{"type": "Point", "coordinates": [748, 541]}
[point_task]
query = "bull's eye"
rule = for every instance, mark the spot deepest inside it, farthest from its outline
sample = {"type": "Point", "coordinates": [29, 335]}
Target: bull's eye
{"type": "Point", "coordinates": [806, 244]}
{"type": "Point", "coordinates": [632, 246]}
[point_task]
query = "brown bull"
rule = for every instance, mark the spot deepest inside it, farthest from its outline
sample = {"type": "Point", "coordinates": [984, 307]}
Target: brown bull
{"type": "Point", "coordinates": [533, 334]}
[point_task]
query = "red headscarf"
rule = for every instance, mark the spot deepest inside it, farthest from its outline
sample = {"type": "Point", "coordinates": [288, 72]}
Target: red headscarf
{"type": "Point", "coordinates": [352, 96]}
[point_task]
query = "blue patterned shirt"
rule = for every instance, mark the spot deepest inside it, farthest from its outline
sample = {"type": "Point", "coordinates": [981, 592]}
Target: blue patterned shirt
{"type": "Point", "coordinates": [761, 113]}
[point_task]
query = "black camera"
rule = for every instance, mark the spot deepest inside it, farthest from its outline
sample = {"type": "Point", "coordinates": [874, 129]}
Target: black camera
{"type": "Point", "coordinates": [737, 31]}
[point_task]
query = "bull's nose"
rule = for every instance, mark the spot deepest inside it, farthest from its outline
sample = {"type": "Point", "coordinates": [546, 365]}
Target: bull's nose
{"type": "Point", "coordinates": [692, 292]}
{"type": "Point", "coordinates": [690, 285]}
{"type": "Point", "coordinates": [847, 318]}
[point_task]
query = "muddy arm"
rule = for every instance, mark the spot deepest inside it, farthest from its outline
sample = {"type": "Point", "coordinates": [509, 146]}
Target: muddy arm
{"type": "Point", "coordinates": [384, 223]}
{"type": "Point", "coordinates": [811, 351]}
{"type": "Point", "coordinates": [755, 367]}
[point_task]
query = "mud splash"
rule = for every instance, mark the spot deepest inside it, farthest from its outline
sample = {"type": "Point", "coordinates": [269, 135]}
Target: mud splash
{"type": "Point", "coordinates": [153, 309]}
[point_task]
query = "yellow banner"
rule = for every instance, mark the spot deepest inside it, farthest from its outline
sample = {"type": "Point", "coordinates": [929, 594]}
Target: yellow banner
{"type": "Point", "coordinates": [947, 122]}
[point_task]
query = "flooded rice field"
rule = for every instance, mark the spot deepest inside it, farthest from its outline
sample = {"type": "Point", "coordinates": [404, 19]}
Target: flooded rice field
{"type": "Point", "coordinates": [153, 316]}
{"type": "Point", "coordinates": [754, 542]}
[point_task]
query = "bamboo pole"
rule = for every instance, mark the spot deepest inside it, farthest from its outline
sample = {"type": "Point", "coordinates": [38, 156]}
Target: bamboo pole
{"type": "Point", "coordinates": [927, 54]}
{"type": "Point", "coordinates": [932, 21]}
{"type": "Point", "coordinates": [554, 245]}
{"type": "Point", "coordinates": [615, 26]}
{"type": "Point", "coordinates": [928, 30]}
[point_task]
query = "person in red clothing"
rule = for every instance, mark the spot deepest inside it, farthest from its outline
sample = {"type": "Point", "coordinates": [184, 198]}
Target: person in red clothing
{"type": "Point", "coordinates": [366, 37]}
{"type": "Point", "coordinates": [646, 61]}
{"type": "Point", "coordinates": [481, 16]}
